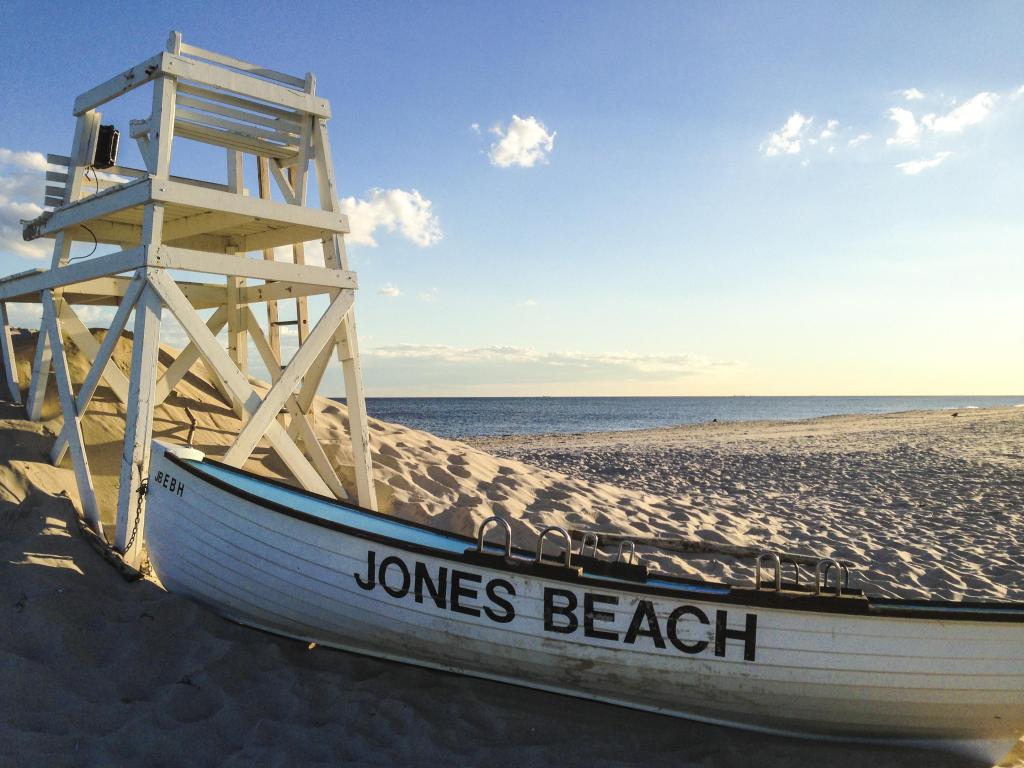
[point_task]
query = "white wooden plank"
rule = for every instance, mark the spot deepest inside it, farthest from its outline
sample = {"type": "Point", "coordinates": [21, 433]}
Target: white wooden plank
{"type": "Point", "coordinates": [287, 190]}
{"type": "Point", "coordinates": [321, 462]}
{"type": "Point", "coordinates": [40, 369]}
{"type": "Point", "coordinates": [10, 362]}
{"type": "Point", "coordinates": [78, 333]}
{"type": "Point", "coordinates": [248, 130]}
{"type": "Point", "coordinates": [217, 359]}
{"type": "Point", "coordinates": [174, 44]}
{"type": "Point", "coordinates": [233, 140]}
{"type": "Point", "coordinates": [238, 344]}
{"type": "Point", "coordinates": [299, 173]}
{"type": "Point", "coordinates": [222, 264]}
{"type": "Point", "coordinates": [310, 384]}
{"type": "Point", "coordinates": [138, 433]}
{"type": "Point", "coordinates": [222, 97]}
{"type": "Point", "coordinates": [300, 363]}
{"type": "Point", "coordinates": [276, 291]}
{"type": "Point", "coordinates": [187, 358]}
{"type": "Point", "coordinates": [161, 126]}
{"type": "Point", "coordinates": [244, 66]}
{"type": "Point", "coordinates": [173, 192]}
{"type": "Point", "coordinates": [358, 428]}
{"type": "Point", "coordinates": [79, 459]}
{"type": "Point", "coordinates": [107, 292]}
{"type": "Point", "coordinates": [348, 349]}
{"type": "Point", "coordinates": [274, 330]}
{"type": "Point", "coordinates": [76, 272]}
{"type": "Point", "coordinates": [100, 362]}
{"type": "Point", "coordinates": [43, 357]}
{"type": "Point", "coordinates": [263, 348]}
{"type": "Point", "coordinates": [92, 207]}
{"type": "Point", "coordinates": [285, 124]}
{"type": "Point", "coordinates": [122, 83]}
{"type": "Point", "coordinates": [299, 257]}
{"type": "Point", "coordinates": [244, 85]}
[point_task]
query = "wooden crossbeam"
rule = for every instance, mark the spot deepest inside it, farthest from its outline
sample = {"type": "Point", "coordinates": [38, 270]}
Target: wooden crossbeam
{"type": "Point", "coordinates": [277, 290]}
{"type": "Point", "coordinates": [10, 363]}
{"type": "Point", "coordinates": [222, 264]}
{"type": "Point", "coordinates": [282, 181]}
{"type": "Point", "coordinates": [40, 368]}
{"type": "Point", "coordinates": [187, 358]}
{"type": "Point", "coordinates": [290, 377]}
{"type": "Point", "coordinates": [244, 66]}
{"type": "Point", "coordinates": [321, 462]}
{"type": "Point", "coordinates": [217, 359]}
{"type": "Point", "coordinates": [72, 274]}
{"type": "Point", "coordinates": [100, 363]}
{"type": "Point", "coordinates": [75, 330]}
{"type": "Point", "coordinates": [79, 459]}
{"type": "Point", "coordinates": [119, 84]}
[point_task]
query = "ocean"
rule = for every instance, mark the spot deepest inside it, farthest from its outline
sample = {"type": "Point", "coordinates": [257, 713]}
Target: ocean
{"type": "Point", "coordinates": [476, 416]}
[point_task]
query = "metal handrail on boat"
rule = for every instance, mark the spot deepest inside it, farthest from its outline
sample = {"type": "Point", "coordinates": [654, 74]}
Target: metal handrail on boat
{"type": "Point", "coordinates": [822, 569]}
{"type": "Point", "coordinates": [773, 558]}
{"type": "Point", "coordinates": [632, 551]}
{"type": "Point", "coordinates": [589, 539]}
{"type": "Point", "coordinates": [483, 529]}
{"type": "Point", "coordinates": [564, 534]}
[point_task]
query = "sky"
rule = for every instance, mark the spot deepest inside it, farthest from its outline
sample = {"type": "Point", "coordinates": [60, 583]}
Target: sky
{"type": "Point", "coordinates": [619, 198]}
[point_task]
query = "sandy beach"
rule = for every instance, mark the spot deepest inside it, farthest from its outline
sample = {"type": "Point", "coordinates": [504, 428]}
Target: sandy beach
{"type": "Point", "coordinates": [101, 672]}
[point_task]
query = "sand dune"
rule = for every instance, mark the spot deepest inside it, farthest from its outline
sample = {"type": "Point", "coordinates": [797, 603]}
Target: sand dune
{"type": "Point", "coordinates": [99, 672]}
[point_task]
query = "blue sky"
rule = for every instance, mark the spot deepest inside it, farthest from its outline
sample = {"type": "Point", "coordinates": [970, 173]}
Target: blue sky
{"type": "Point", "coordinates": [612, 198]}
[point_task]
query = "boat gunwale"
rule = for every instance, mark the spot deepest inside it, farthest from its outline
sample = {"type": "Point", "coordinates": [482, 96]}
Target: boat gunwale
{"type": "Point", "coordinates": [890, 608]}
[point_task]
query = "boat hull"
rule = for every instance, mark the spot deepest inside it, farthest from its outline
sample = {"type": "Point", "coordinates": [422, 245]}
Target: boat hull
{"type": "Point", "coordinates": [692, 654]}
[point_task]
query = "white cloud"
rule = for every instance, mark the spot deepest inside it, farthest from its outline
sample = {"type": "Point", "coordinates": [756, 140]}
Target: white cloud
{"type": "Point", "coordinates": [829, 130]}
{"type": "Point", "coordinates": [475, 128]}
{"type": "Point", "coordinates": [391, 290]}
{"type": "Point", "coordinates": [971, 112]}
{"type": "Point", "coordinates": [1019, 92]}
{"type": "Point", "coordinates": [657, 366]}
{"type": "Point", "coordinates": [392, 209]}
{"type": "Point", "coordinates": [22, 181]}
{"type": "Point", "coordinates": [857, 140]}
{"type": "Point", "coordinates": [529, 303]}
{"type": "Point", "coordinates": [788, 139]}
{"type": "Point", "coordinates": [907, 129]}
{"type": "Point", "coordinates": [430, 295]}
{"type": "Point", "coordinates": [914, 167]}
{"type": "Point", "coordinates": [523, 143]}
{"type": "Point", "coordinates": [912, 94]}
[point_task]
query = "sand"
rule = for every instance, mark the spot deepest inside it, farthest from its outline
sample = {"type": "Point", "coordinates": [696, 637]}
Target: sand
{"type": "Point", "coordinates": [100, 672]}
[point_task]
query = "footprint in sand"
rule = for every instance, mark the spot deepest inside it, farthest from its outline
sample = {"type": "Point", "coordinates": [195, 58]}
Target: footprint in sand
{"type": "Point", "coordinates": [457, 466]}
{"type": "Point", "coordinates": [432, 487]}
{"type": "Point", "coordinates": [386, 450]}
{"type": "Point", "coordinates": [440, 475]}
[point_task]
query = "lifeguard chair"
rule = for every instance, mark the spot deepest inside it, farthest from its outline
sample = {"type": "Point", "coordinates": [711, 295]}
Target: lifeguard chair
{"type": "Point", "coordinates": [164, 225]}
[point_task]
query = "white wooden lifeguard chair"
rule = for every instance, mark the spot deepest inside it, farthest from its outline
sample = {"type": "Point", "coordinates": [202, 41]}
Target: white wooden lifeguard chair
{"type": "Point", "coordinates": [165, 225]}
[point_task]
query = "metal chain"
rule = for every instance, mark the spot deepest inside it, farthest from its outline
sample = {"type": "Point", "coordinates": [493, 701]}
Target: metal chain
{"type": "Point", "coordinates": [142, 490]}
